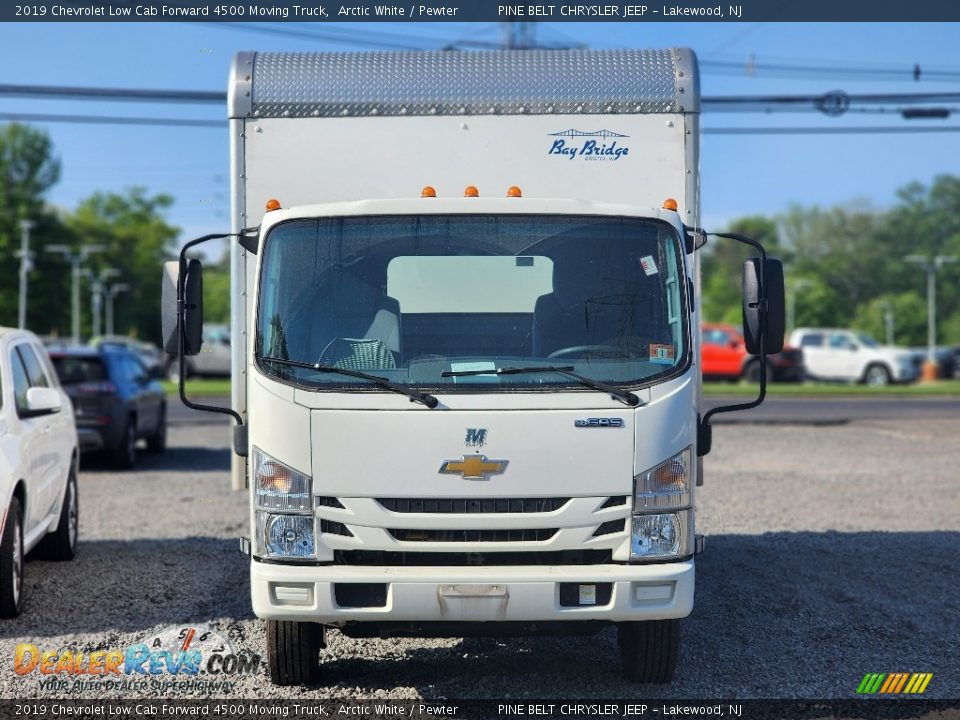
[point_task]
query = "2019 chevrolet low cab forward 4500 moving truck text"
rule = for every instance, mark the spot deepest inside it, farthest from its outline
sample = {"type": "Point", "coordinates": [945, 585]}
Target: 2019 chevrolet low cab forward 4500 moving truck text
{"type": "Point", "coordinates": [466, 344]}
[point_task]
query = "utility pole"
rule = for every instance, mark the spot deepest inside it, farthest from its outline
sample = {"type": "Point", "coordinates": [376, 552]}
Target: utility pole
{"type": "Point", "coordinates": [26, 265]}
{"type": "Point", "coordinates": [795, 286]}
{"type": "Point", "coordinates": [112, 292]}
{"type": "Point", "coordinates": [96, 295]}
{"type": "Point", "coordinates": [930, 265]}
{"type": "Point", "coordinates": [888, 320]}
{"type": "Point", "coordinates": [76, 259]}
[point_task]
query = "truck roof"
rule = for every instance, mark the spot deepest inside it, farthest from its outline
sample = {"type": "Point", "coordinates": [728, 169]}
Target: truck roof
{"type": "Point", "coordinates": [544, 82]}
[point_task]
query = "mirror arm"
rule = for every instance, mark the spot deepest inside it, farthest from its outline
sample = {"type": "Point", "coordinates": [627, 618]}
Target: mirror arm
{"type": "Point", "coordinates": [704, 430]}
{"type": "Point", "coordinates": [182, 332]}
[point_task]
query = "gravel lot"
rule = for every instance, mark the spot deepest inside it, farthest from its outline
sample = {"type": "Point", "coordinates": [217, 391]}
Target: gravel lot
{"type": "Point", "coordinates": [831, 552]}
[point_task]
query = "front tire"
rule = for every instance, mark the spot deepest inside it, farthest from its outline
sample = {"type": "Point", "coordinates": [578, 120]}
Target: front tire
{"type": "Point", "coordinates": [157, 442]}
{"type": "Point", "coordinates": [61, 544]}
{"type": "Point", "coordinates": [649, 650]}
{"type": "Point", "coordinates": [293, 652]}
{"type": "Point", "coordinates": [11, 562]}
{"type": "Point", "coordinates": [877, 376]}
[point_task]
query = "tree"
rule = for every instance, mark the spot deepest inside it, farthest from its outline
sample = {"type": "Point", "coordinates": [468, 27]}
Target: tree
{"type": "Point", "coordinates": [721, 269]}
{"type": "Point", "coordinates": [28, 169]}
{"type": "Point", "coordinates": [137, 240]}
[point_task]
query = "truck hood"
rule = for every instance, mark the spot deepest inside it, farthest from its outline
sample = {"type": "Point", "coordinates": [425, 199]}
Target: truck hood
{"type": "Point", "coordinates": [476, 453]}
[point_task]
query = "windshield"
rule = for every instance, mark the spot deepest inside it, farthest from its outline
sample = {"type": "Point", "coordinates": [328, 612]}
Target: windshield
{"type": "Point", "coordinates": [419, 300]}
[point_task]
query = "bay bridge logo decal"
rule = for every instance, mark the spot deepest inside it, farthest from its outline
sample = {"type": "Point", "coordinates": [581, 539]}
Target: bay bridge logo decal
{"type": "Point", "coordinates": [596, 145]}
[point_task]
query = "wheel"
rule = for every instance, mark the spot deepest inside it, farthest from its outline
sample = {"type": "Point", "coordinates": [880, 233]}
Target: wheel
{"type": "Point", "coordinates": [877, 376]}
{"type": "Point", "coordinates": [125, 454]}
{"type": "Point", "coordinates": [751, 373]}
{"type": "Point", "coordinates": [157, 442]}
{"type": "Point", "coordinates": [293, 650]}
{"type": "Point", "coordinates": [649, 650]}
{"type": "Point", "coordinates": [11, 562]}
{"type": "Point", "coordinates": [61, 544]}
{"type": "Point", "coordinates": [587, 350]}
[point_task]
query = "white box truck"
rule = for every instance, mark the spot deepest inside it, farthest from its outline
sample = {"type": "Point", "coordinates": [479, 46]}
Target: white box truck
{"type": "Point", "coordinates": [466, 344]}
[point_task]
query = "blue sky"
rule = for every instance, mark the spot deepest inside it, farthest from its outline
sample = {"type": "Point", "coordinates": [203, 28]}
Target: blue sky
{"type": "Point", "coordinates": [741, 174]}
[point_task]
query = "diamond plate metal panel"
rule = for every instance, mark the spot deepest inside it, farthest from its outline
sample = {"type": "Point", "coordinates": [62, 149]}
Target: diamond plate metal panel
{"type": "Point", "coordinates": [473, 83]}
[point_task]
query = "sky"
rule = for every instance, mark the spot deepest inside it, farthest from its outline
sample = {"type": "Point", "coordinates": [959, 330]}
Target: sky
{"type": "Point", "coordinates": [741, 174]}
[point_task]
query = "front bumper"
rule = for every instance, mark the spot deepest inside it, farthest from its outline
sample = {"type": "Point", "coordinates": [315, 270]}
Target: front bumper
{"type": "Point", "coordinates": [472, 594]}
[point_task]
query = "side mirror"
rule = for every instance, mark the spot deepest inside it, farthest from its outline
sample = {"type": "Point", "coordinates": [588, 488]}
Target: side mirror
{"type": "Point", "coordinates": [763, 306]}
{"type": "Point", "coordinates": [192, 307]}
{"type": "Point", "coordinates": [42, 401]}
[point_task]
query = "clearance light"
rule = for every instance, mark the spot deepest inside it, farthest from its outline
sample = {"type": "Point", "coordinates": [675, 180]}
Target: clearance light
{"type": "Point", "coordinates": [670, 204]}
{"type": "Point", "coordinates": [428, 191]}
{"type": "Point", "coordinates": [471, 191]}
{"type": "Point", "coordinates": [514, 191]}
{"type": "Point", "coordinates": [273, 204]}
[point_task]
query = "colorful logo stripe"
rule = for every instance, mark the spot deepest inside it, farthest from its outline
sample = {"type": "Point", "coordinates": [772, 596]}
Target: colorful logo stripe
{"type": "Point", "coordinates": [894, 683]}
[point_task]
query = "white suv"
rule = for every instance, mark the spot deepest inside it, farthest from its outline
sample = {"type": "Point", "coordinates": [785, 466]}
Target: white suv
{"type": "Point", "coordinates": [831, 354]}
{"type": "Point", "coordinates": [38, 463]}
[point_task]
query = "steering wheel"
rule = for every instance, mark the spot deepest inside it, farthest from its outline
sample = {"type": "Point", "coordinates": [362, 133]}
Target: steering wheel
{"type": "Point", "coordinates": [585, 350]}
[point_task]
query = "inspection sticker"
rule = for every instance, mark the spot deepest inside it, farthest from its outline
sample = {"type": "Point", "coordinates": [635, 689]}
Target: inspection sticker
{"type": "Point", "coordinates": [648, 265]}
{"type": "Point", "coordinates": [588, 594]}
{"type": "Point", "coordinates": [662, 354]}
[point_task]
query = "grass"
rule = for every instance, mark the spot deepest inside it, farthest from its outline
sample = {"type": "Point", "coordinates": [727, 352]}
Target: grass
{"type": "Point", "coordinates": [221, 386]}
{"type": "Point", "coordinates": [197, 387]}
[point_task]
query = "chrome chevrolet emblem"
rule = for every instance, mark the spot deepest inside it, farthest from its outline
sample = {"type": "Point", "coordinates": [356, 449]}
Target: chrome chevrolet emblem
{"type": "Point", "coordinates": [473, 467]}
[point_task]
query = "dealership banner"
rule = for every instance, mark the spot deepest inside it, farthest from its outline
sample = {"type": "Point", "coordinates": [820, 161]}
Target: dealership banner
{"type": "Point", "coordinates": [635, 11]}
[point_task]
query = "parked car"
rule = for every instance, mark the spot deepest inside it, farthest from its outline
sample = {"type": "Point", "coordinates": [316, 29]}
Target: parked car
{"type": "Point", "coordinates": [117, 401]}
{"type": "Point", "coordinates": [213, 360]}
{"type": "Point", "coordinates": [837, 354]}
{"type": "Point", "coordinates": [724, 356]}
{"type": "Point", "coordinates": [946, 357]}
{"type": "Point", "coordinates": [149, 354]}
{"type": "Point", "coordinates": [38, 464]}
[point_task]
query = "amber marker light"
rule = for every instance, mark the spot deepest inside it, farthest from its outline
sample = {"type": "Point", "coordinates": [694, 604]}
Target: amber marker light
{"type": "Point", "coordinates": [428, 191]}
{"type": "Point", "coordinates": [471, 191]}
{"type": "Point", "coordinates": [514, 191]}
{"type": "Point", "coordinates": [670, 204]}
{"type": "Point", "coordinates": [273, 204]}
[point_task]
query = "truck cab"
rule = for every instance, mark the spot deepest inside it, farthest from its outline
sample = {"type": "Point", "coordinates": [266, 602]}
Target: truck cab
{"type": "Point", "coordinates": [466, 345]}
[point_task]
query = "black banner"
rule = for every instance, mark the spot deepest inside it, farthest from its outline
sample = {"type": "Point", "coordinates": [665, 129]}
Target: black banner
{"type": "Point", "coordinates": [638, 11]}
{"type": "Point", "coordinates": [483, 709]}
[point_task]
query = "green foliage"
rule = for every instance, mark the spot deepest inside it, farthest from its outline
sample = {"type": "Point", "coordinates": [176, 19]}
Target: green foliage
{"type": "Point", "coordinates": [216, 291]}
{"type": "Point", "coordinates": [136, 241]}
{"type": "Point", "coordinates": [28, 169]}
{"type": "Point", "coordinates": [843, 263]}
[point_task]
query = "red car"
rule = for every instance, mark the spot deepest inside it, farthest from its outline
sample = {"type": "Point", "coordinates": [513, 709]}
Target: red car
{"type": "Point", "coordinates": [724, 357]}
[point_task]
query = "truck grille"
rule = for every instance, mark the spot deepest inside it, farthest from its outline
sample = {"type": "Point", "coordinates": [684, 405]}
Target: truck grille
{"type": "Point", "coordinates": [466, 536]}
{"type": "Point", "coordinates": [389, 558]}
{"type": "Point", "coordinates": [467, 506]}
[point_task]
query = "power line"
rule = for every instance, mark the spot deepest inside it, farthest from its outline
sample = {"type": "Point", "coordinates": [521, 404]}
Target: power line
{"type": "Point", "coordinates": [753, 67]}
{"type": "Point", "coordinates": [864, 130]}
{"type": "Point", "coordinates": [111, 120]}
{"type": "Point", "coordinates": [342, 37]}
{"type": "Point", "coordinates": [52, 92]}
{"type": "Point", "coordinates": [221, 124]}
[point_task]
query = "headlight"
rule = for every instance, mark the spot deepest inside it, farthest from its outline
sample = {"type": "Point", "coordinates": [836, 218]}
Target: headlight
{"type": "Point", "coordinates": [279, 487]}
{"type": "Point", "coordinates": [284, 516]}
{"type": "Point", "coordinates": [664, 487]}
{"type": "Point", "coordinates": [660, 527]}
{"type": "Point", "coordinates": [658, 537]}
{"type": "Point", "coordinates": [286, 536]}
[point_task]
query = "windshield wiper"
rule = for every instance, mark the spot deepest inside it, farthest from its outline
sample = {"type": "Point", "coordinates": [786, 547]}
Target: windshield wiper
{"type": "Point", "coordinates": [415, 396]}
{"type": "Point", "coordinates": [624, 396]}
